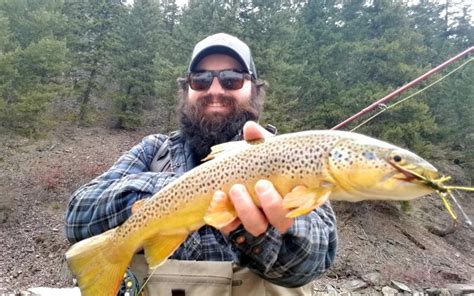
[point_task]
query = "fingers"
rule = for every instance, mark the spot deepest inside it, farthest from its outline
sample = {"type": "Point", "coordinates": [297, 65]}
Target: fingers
{"type": "Point", "coordinates": [254, 219]}
{"type": "Point", "coordinates": [250, 215]}
{"type": "Point", "coordinates": [272, 206]}
{"type": "Point", "coordinates": [254, 131]}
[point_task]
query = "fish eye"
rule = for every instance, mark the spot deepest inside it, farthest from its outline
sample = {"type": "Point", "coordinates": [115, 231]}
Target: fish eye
{"type": "Point", "coordinates": [397, 158]}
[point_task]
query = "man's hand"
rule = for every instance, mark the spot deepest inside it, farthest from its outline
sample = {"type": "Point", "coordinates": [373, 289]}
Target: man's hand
{"type": "Point", "coordinates": [254, 219]}
{"type": "Point", "coordinates": [253, 131]}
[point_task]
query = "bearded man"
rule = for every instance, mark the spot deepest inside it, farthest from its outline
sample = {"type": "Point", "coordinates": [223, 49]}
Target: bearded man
{"type": "Point", "coordinates": [260, 253]}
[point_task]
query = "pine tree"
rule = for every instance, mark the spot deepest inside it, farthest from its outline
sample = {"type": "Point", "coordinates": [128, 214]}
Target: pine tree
{"type": "Point", "coordinates": [135, 71]}
{"type": "Point", "coordinates": [375, 52]}
{"type": "Point", "coordinates": [32, 65]}
{"type": "Point", "coordinates": [92, 38]}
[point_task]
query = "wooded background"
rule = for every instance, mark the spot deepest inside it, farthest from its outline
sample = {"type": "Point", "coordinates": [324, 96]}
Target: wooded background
{"type": "Point", "coordinates": [106, 62]}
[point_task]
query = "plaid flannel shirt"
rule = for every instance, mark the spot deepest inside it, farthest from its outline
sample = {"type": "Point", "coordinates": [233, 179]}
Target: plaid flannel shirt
{"type": "Point", "coordinates": [291, 259]}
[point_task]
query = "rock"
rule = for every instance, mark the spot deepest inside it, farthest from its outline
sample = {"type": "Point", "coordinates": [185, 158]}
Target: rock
{"type": "Point", "coordinates": [345, 292]}
{"type": "Point", "coordinates": [460, 289]}
{"type": "Point", "coordinates": [330, 290]}
{"type": "Point", "coordinates": [437, 292]}
{"type": "Point", "coordinates": [355, 284]}
{"type": "Point", "coordinates": [445, 292]}
{"type": "Point", "coordinates": [388, 291]}
{"type": "Point", "coordinates": [17, 273]}
{"type": "Point", "coordinates": [43, 291]}
{"type": "Point", "coordinates": [4, 213]}
{"type": "Point", "coordinates": [401, 286]}
{"type": "Point", "coordinates": [373, 278]}
{"type": "Point", "coordinates": [452, 276]}
{"type": "Point", "coordinates": [432, 291]}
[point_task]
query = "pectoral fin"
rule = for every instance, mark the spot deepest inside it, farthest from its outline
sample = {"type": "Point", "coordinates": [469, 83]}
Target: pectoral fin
{"type": "Point", "coordinates": [161, 247]}
{"type": "Point", "coordinates": [221, 212]}
{"type": "Point", "coordinates": [303, 200]}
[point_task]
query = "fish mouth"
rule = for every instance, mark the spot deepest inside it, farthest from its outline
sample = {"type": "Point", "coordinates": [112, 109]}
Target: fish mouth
{"type": "Point", "coordinates": [411, 176]}
{"type": "Point", "coordinates": [408, 176]}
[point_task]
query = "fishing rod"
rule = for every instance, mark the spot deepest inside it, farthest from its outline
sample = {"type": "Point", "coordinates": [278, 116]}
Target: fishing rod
{"type": "Point", "coordinates": [400, 90]}
{"type": "Point", "coordinates": [390, 96]}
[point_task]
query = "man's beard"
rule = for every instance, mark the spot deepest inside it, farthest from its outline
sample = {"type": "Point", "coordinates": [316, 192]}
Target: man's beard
{"type": "Point", "coordinates": [202, 131]}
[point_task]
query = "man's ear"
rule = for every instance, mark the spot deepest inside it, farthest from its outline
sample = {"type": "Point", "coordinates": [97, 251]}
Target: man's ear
{"type": "Point", "coordinates": [260, 83]}
{"type": "Point", "coordinates": [182, 83]}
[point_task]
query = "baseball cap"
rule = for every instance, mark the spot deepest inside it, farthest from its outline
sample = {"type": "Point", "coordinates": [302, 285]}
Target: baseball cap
{"type": "Point", "coordinates": [225, 44]}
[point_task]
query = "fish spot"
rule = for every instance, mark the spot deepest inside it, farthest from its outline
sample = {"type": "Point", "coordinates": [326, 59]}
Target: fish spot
{"type": "Point", "coordinates": [368, 155]}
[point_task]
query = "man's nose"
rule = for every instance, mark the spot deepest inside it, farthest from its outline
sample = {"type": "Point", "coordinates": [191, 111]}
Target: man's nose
{"type": "Point", "coordinates": [216, 87]}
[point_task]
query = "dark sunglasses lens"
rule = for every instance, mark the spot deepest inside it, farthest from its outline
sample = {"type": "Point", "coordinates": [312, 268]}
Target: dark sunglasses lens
{"type": "Point", "coordinates": [231, 80]}
{"type": "Point", "coordinates": [200, 80]}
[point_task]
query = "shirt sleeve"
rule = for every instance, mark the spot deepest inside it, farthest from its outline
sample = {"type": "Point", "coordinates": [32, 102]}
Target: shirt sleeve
{"type": "Point", "coordinates": [106, 201]}
{"type": "Point", "coordinates": [296, 257]}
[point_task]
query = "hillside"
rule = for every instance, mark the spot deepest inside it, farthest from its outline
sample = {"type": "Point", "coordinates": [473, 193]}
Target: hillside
{"type": "Point", "coordinates": [37, 178]}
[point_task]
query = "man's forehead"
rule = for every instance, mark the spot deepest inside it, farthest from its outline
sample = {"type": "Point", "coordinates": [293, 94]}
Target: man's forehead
{"type": "Point", "coordinates": [219, 60]}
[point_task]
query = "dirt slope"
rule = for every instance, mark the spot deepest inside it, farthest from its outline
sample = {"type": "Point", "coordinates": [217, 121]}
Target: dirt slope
{"type": "Point", "coordinates": [37, 178]}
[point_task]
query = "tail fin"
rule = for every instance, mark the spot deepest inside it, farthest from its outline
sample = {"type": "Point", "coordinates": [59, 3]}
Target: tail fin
{"type": "Point", "coordinates": [99, 264]}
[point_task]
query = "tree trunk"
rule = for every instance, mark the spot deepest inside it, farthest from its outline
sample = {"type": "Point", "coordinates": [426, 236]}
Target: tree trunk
{"type": "Point", "coordinates": [86, 95]}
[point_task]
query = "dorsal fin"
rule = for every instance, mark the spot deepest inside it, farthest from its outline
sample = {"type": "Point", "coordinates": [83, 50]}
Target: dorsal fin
{"type": "Point", "coordinates": [224, 148]}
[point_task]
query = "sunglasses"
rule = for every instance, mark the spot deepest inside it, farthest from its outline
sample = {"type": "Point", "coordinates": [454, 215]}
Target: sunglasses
{"type": "Point", "coordinates": [229, 79]}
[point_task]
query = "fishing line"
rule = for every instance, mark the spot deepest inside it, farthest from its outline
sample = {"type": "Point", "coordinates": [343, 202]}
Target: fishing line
{"type": "Point", "coordinates": [147, 280]}
{"type": "Point", "coordinates": [449, 192]}
{"type": "Point", "coordinates": [385, 108]}
{"type": "Point", "coordinates": [467, 221]}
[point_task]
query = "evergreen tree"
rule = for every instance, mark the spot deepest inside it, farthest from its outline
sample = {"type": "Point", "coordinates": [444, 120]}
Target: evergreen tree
{"type": "Point", "coordinates": [140, 37]}
{"type": "Point", "coordinates": [375, 53]}
{"type": "Point", "coordinates": [30, 21]}
{"type": "Point", "coordinates": [92, 38]}
{"type": "Point", "coordinates": [32, 65]}
{"type": "Point", "coordinates": [8, 72]}
{"type": "Point", "coordinates": [426, 20]}
{"type": "Point", "coordinates": [173, 54]}
{"type": "Point", "coordinates": [274, 53]}
{"type": "Point", "coordinates": [323, 60]}
{"type": "Point", "coordinates": [450, 101]}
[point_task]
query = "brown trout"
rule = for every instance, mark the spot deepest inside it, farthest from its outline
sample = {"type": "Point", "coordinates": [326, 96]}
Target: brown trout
{"type": "Point", "coordinates": [332, 165]}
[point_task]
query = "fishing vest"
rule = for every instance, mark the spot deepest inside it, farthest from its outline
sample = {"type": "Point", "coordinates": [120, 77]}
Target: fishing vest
{"type": "Point", "coordinates": [197, 278]}
{"type": "Point", "coordinates": [209, 278]}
